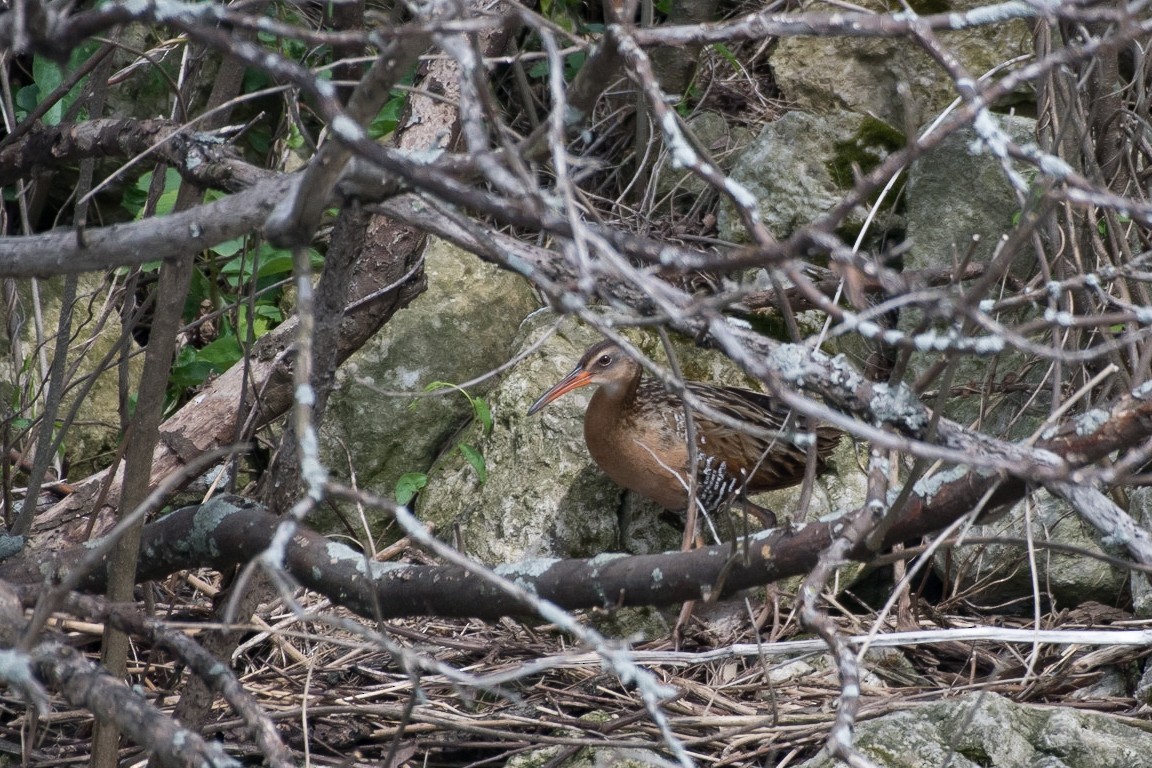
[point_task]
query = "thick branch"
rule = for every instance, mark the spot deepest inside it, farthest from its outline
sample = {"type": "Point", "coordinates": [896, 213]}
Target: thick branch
{"type": "Point", "coordinates": [85, 685]}
{"type": "Point", "coordinates": [162, 238]}
{"type": "Point", "coordinates": [229, 530]}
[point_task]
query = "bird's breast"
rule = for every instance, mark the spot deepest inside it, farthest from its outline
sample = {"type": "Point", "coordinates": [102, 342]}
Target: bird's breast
{"type": "Point", "coordinates": [644, 452]}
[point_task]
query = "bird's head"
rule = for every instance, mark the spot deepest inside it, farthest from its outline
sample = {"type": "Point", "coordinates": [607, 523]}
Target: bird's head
{"type": "Point", "coordinates": [604, 364]}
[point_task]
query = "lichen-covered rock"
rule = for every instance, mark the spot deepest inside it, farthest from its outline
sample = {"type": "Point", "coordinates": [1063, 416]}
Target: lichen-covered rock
{"type": "Point", "coordinates": [958, 192]}
{"type": "Point", "coordinates": [800, 166]}
{"type": "Point", "coordinates": [1000, 574]}
{"type": "Point", "coordinates": [461, 327]}
{"type": "Point", "coordinates": [959, 202]}
{"type": "Point", "coordinates": [543, 496]}
{"type": "Point", "coordinates": [95, 433]}
{"type": "Point", "coordinates": [892, 78]}
{"type": "Point", "coordinates": [722, 139]}
{"type": "Point", "coordinates": [984, 729]}
{"type": "Point", "coordinates": [1140, 507]}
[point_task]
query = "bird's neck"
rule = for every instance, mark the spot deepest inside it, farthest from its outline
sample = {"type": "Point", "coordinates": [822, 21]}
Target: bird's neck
{"type": "Point", "coordinates": [615, 397]}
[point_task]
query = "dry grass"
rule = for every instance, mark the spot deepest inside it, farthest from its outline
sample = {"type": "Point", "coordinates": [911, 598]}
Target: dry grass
{"type": "Point", "coordinates": [510, 687]}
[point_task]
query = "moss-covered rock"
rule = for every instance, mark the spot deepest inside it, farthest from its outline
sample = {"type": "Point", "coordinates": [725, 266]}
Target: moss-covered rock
{"type": "Point", "coordinates": [800, 165]}
{"type": "Point", "coordinates": [463, 326]}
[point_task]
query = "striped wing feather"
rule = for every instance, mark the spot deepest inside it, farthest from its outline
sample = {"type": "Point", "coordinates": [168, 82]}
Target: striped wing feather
{"type": "Point", "coordinates": [771, 461]}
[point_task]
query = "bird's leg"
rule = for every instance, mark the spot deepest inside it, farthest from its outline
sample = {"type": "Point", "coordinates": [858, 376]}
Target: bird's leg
{"type": "Point", "coordinates": [766, 516]}
{"type": "Point", "coordinates": [682, 620]}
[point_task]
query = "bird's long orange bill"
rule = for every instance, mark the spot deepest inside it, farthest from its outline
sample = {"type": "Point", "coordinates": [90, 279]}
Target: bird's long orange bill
{"type": "Point", "coordinates": [578, 378]}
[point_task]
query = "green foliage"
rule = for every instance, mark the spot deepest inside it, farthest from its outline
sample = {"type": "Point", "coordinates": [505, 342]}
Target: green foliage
{"type": "Point", "coordinates": [569, 15]}
{"type": "Point", "coordinates": [245, 276]}
{"type": "Point", "coordinates": [19, 424]}
{"type": "Point", "coordinates": [1102, 224]}
{"type": "Point", "coordinates": [136, 197]}
{"type": "Point", "coordinates": [726, 53]}
{"type": "Point", "coordinates": [563, 13]}
{"type": "Point", "coordinates": [47, 76]}
{"type": "Point", "coordinates": [411, 483]}
{"type": "Point", "coordinates": [686, 104]}
{"type": "Point", "coordinates": [873, 140]}
{"type": "Point", "coordinates": [476, 459]}
{"type": "Point", "coordinates": [194, 366]}
{"type": "Point", "coordinates": [388, 118]}
{"type": "Point", "coordinates": [572, 63]}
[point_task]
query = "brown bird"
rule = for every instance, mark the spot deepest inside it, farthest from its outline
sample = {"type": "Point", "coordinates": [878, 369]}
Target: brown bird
{"type": "Point", "coordinates": [636, 432]}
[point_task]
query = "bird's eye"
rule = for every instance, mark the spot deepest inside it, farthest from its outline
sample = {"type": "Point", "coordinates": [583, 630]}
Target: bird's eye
{"type": "Point", "coordinates": [604, 361]}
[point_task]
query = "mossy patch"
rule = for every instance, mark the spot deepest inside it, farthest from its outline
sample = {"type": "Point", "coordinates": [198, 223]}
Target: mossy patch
{"type": "Point", "coordinates": [929, 7]}
{"type": "Point", "coordinates": [921, 7]}
{"type": "Point", "coordinates": [865, 149]}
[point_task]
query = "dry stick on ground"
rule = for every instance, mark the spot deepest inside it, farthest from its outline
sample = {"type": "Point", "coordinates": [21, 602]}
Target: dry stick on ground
{"type": "Point", "coordinates": [203, 665]}
{"type": "Point", "coordinates": [115, 705]}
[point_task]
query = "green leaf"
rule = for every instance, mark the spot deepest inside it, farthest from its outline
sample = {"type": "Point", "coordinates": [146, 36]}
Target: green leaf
{"type": "Point", "coordinates": [482, 413]}
{"type": "Point", "coordinates": [222, 352]}
{"type": "Point", "coordinates": [265, 317]}
{"type": "Point", "coordinates": [167, 200]}
{"type": "Point", "coordinates": [19, 424]}
{"type": "Point", "coordinates": [194, 366]}
{"type": "Point", "coordinates": [26, 100]}
{"type": "Point", "coordinates": [48, 76]}
{"type": "Point", "coordinates": [572, 64]}
{"type": "Point", "coordinates": [476, 459]}
{"type": "Point", "coordinates": [727, 54]}
{"type": "Point", "coordinates": [228, 248]}
{"type": "Point", "coordinates": [136, 197]}
{"type": "Point", "coordinates": [410, 484]}
{"type": "Point", "coordinates": [295, 140]}
{"type": "Point", "coordinates": [259, 137]}
{"type": "Point", "coordinates": [189, 370]}
{"type": "Point", "coordinates": [275, 264]}
{"type": "Point", "coordinates": [388, 118]}
{"type": "Point", "coordinates": [199, 291]}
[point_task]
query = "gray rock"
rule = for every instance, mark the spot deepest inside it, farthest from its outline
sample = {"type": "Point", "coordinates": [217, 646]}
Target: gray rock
{"type": "Point", "coordinates": [959, 191]}
{"type": "Point", "coordinates": [462, 326]}
{"type": "Point", "coordinates": [1000, 574]}
{"type": "Point", "coordinates": [984, 729]}
{"type": "Point", "coordinates": [892, 79]}
{"type": "Point", "coordinates": [720, 138]}
{"type": "Point", "coordinates": [1140, 507]}
{"type": "Point", "coordinates": [96, 432]}
{"type": "Point", "coordinates": [589, 757]}
{"type": "Point", "coordinates": [800, 166]}
{"type": "Point", "coordinates": [544, 496]}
